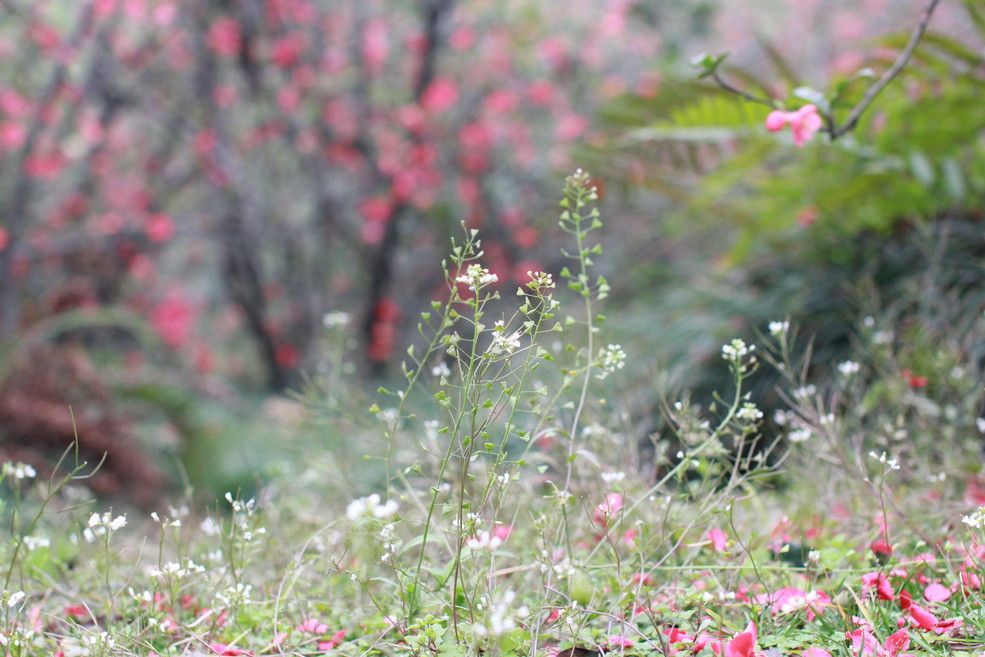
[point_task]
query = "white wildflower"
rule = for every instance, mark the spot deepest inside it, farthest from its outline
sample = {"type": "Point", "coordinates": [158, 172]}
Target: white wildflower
{"type": "Point", "coordinates": [891, 463]}
{"type": "Point", "coordinates": [19, 471]}
{"type": "Point", "coordinates": [779, 329]}
{"type": "Point", "coordinates": [441, 370]}
{"type": "Point", "coordinates": [336, 319]}
{"type": "Point", "coordinates": [976, 519]}
{"type": "Point", "coordinates": [736, 350]}
{"type": "Point", "coordinates": [476, 276]}
{"type": "Point", "coordinates": [503, 343]}
{"type": "Point", "coordinates": [370, 506]}
{"type": "Point", "coordinates": [501, 617]}
{"type": "Point", "coordinates": [103, 524]}
{"type": "Point", "coordinates": [540, 280]}
{"type": "Point", "coordinates": [848, 368]}
{"type": "Point", "coordinates": [34, 542]}
{"type": "Point", "coordinates": [804, 392]}
{"type": "Point", "coordinates": [611, 358]}
{"type": "Point", "coordinates": [799, 435]}
{"type": "Point", "coordinates": [749, 412]}
{"type": "Point", "coordinates": [613, 477]}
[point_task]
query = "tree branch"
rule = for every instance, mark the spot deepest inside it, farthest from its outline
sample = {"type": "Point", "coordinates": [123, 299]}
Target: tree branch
{"type": "Point", "coordinates": [904, 57]}
{"type": "Point", "coordinates": [851, 122]}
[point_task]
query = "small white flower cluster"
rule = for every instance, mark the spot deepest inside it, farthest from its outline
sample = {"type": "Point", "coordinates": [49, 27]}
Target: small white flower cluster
{"type": "Point", "coordinates": [441, 370]}
{"type": "Point", "coordinates": [239, 506]}
{"type": "Point", "coordinates": [561, 565]}
{"type": "Point", "coordinates": [804, 392]}
{"type": "Point", "coordinates": [174, 570]}
{"type": "Point", "coordinates": [370, 506]}
{"type": "Point", "coordinates": [483, 541]}
{"type": "Point", "coordinates": [718, 596]}
{"type": "Point", "coordinates": [749, 412]}
{"type": "Point", "coordinates": [540, 280]}
{"type": "Point", "coordinates": [501, 616]}
{"type": "Point", "coordinates": [209, 527]}
{"type": "Point", "coordinates": [19, 471]}
{"type": "Point", "coordinates": [848, 368]}
{"type": "Point", "coordinates": [891, 463]}
{"type": "Point", "coordinates": [90, 644]}
{"type": "Point", "coordinates": [167, 522]}
{"type": "Point", "coordinates": [613, 477]}
{"type": "Point", "coordinates": [882, 337]}
{"type": "Point", "coordinates": [739, 354]}
{"type": "Point", "coordinates": [779, 329]}
{"type": "Point", "coordinates": [34, 542]}
{"type": "Point", "coordinates": [476, 276]}
{"type": "Point", "coordinates": [388, 536]}
{"type": "Point", "coordinates": [101, 525]}
{"type": "Point", "coordinates": [976, 519]}
{"type": "Point", "coordinates": [800, 435]}
{"type": "Point", "coordinates": [13, 598]}
{"type": "Point", "coordinates": [503, 343]}
{"type": "Point", "coordinates": [980, 423]}
{"type": "Point", "coordinates": [611, 358]}
{"type": "Point", "coordinates": [235, 595]}
{"type": "Point", "coordinates": [336, 319]}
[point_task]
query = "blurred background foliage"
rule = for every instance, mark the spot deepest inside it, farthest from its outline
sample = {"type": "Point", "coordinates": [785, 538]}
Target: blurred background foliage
{"type": "Point", "coordinates": [188, 188]}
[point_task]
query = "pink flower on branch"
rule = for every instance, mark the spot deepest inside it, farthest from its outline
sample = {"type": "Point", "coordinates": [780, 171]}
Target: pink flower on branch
{"type": "Point", "coordinates": [804, 123]}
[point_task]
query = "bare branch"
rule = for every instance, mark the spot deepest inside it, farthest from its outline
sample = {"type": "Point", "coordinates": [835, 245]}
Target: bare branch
{"type": "Point", "coordinates": [870, 95]}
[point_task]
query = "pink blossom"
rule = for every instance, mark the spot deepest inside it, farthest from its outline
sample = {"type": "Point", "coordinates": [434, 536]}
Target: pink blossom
{"type": "Point", "coordinates": [440, 96]}
{"type": "Point", "coordinates": [334, 642]}
{"type": "Point", "coordinates": [922, 618]}
{"type": "Point", "coordinates": [375, 45]}
{"type": "Point", "coordinates": [787, 600]}
{"type": "Point", "coordinates": [864, 643]}
{"type": "Point", "coordinates": [172, 319]}
{"type": "Point", "coordinates": [313, 626]}
{"type": "Point", "coordinates": [502, 532]}
{"type": "Point", "coordinates": [159, 228]}
{"type": "Point", "coordinates": [896, 643]}
{"type": "Point", "coordinates": [776, 121]}
{"type": "Point", "coordinates": [224, 37]}
{"type": "Point", "coordinates": [607, 509]}
{"type": "Point", "coordinates": [228, 651]}
{"type": "Point", "coordinates": [618, 641]}
{"type": "Point", "coordinates": [12, 135]}
{"type": "Point", "coordinates": [804, 123]}
{"type": "Point", "coordinates": [880, 582]}
{"type": "Point", "coordinates": [936, 592]}
{"type": "Point", "coordinates": [719, 542]}
{"type": "Point", "coordinates": [948, 626]}
{"type": "Point", "coordinates": [742, 644]}
{"type": "Point", "coordinates": [815, 652]}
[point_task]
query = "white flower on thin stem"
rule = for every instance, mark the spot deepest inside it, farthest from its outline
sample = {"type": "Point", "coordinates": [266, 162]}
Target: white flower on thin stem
{"type": "Point", "coordinates": [336, 319]}
{"type": "Point", "coordinates": [103, 524]}
{"type": "Point", "coordinates": [848, 368]}
{"type": "Point", "coordinates": [19, 471]}
{"type": "Point", "coordinates": [611, 358]}
{"type": "Point", "coordinates": [476, 276]}
{"type": "Point", "coordinates": [370, 506]}
{"type": "Point", "coordinates": [503, 343]}
{"type": "Point", "coordinates": [799, 435]}
{"type": "Point", "coordinates": [779, 329]}
{"type": "Point", "coordinates": [749, 412]}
